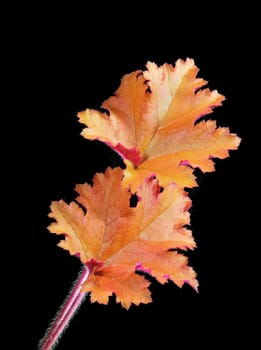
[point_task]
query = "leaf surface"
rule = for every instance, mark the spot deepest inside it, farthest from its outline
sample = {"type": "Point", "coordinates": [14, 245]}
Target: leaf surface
{"type": "Point", "coordinates": [152, 124]}
{"type": "Point", "coordinates": [114, 240]}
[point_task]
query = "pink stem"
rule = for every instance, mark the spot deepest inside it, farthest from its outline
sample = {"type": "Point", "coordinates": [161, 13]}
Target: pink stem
{"type": "Point", "coordinates": [66, 313]}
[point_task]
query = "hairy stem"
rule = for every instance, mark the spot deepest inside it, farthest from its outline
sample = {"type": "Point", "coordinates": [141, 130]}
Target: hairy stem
{"type": "Point", "coordinates": [65, 313]}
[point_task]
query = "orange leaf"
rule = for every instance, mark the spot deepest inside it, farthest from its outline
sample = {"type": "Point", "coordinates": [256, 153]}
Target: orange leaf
{"type": "Point", "coordinates": [114, 240]}
{"type": "Point", "coordinates": [151, 123]}
{"type": "Point", "coordinates": [120, 280]}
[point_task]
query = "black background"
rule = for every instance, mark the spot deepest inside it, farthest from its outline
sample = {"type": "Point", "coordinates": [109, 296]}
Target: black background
{"type": "Point", "coordinates": [62, 64]}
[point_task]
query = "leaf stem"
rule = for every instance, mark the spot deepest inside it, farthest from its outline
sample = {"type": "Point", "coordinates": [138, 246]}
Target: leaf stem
{"type": "Point", "coordinates": [65, 313]}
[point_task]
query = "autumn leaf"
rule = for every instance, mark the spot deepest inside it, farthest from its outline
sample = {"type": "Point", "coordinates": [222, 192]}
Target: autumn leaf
{"type": "Point", "coordinates": [114, 239]}
{"type": "Point", "coordinates": [151, 122]}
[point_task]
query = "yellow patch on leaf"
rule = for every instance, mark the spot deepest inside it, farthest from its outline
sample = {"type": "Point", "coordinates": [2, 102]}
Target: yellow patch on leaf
{"type": "Point", "coordinates": [114, 240]}
{"type": "Point", "coordinates": [151, 123]}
